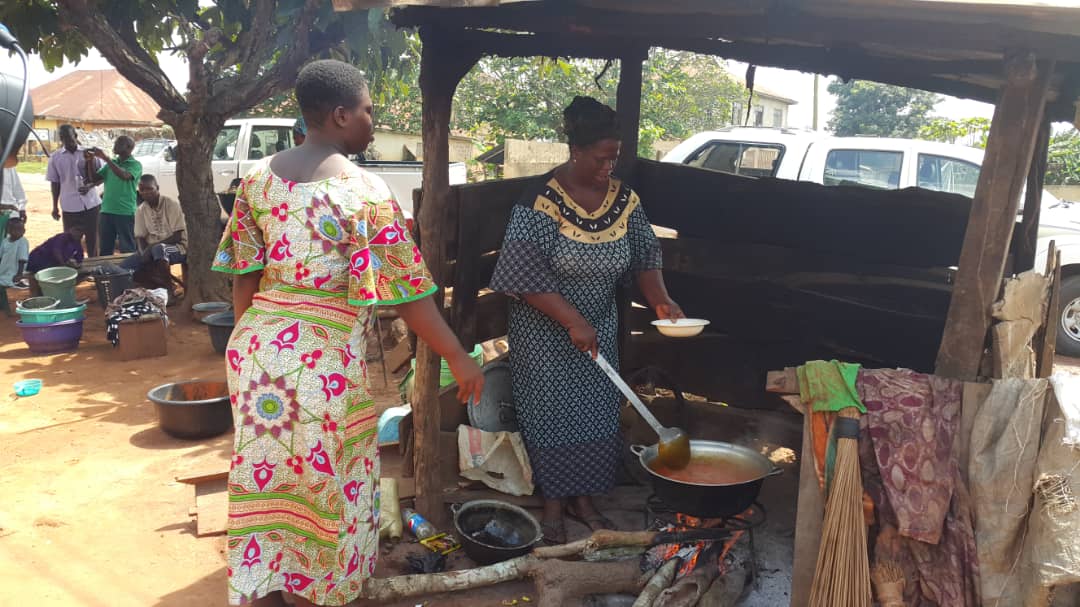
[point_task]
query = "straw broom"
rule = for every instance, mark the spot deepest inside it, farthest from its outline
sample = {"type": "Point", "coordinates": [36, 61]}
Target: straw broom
{"type": "Point", "coordinates": [842, 575]}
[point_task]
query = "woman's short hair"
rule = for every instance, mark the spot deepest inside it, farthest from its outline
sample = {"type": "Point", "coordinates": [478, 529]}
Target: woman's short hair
{"type": "Point", "coordinates": [326, 84]}
{"type": "Point", "coordinates": [586, 121]}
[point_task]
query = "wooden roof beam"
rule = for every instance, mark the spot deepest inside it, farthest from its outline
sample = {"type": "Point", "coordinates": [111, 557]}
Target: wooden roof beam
{"type": "Point", "coordinates": [788, 24]}
{"type": "Point", "coordinates": [548, 45]}
{"type": "Point", "coordinates": [851, 64]}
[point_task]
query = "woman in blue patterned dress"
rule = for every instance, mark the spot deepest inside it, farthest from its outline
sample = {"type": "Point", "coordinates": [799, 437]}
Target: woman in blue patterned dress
{"type": "Point", "coordinates": [570, 242]}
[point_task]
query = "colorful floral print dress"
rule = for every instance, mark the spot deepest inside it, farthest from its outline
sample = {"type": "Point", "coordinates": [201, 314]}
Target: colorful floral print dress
{"type": "Point", "coordinates": [304, 484]}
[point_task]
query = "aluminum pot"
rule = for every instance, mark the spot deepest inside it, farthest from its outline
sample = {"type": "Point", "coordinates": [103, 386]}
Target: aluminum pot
{"type": "Point", "coordinates": [710, 500]}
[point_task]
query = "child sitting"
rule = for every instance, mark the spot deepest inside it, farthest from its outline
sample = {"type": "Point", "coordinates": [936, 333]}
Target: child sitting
{"type": "Point", "coordinates": [14, 253]}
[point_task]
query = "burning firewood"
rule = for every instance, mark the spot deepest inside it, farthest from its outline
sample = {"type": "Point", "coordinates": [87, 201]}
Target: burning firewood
{"type": "Point", "coordinates": [657, 584]}
{"type": "Point", "coordinates": [558, 582]}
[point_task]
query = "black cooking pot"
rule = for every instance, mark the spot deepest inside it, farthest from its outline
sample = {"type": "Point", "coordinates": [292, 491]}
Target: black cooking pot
{"type": "Point", "coordinates": [711, 500]}
{"type": "Point", "coordinates": [492, 531]}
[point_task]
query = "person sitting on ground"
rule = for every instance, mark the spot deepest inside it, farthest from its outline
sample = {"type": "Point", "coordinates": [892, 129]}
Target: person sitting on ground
{"type": "Point", "coordinates": [121, 177]}
{"type": "Point", "coordinates": [64, 249]}
{"type": "Point", "coordinates": [14, 253]}
{"type": "Point", "coordinates": [160, 233]}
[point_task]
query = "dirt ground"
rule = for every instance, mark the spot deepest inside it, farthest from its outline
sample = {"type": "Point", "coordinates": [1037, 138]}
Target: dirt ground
{"type": "Point", "coordinates": [92, 513]}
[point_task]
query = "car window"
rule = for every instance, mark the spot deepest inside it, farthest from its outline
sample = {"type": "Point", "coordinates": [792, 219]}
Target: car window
{"type": "Point", "coordinates": [225, 146]}
{"type": "Point", "coordinates": [737, 158]}
{"type": "Point", "coordinates": [870, 168]}
{"type": "Point", "coordinates": [147, 147]}
{"type": "Point", "coordinates": [946, 174]}
{"type": "Point", "coordinates": [269, 140]}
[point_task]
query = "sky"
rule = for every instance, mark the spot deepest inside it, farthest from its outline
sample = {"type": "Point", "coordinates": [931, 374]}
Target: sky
{"type": "Point", "coordinates": [795, 85]}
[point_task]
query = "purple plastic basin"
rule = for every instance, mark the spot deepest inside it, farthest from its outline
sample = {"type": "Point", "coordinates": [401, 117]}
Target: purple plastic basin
{"type": "Point", "coordinates": [49, 338]}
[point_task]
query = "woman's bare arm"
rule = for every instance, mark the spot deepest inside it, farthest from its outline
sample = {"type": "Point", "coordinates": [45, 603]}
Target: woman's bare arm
{"type": "Point", "coordinates": [244, 287]}
{"type": "Point", "coordinates": [424, 319]}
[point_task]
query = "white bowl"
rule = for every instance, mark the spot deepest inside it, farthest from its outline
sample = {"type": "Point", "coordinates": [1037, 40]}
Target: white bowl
{"type": "Point", "coordinates": [683, 327]}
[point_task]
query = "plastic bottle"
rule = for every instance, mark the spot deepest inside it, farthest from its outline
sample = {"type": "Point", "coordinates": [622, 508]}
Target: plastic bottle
{"type": "Point", "coordinates": [418, 525]}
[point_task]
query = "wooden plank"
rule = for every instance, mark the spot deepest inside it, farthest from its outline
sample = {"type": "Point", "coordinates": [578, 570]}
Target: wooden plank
{"type": "Point", "coordinates": [212, 507]}
{"type": "Point", "coordinates": [795, 267]}
{"type": "Point", "coordinates": [1028, 240]}
{"type": "Point", "coordinates": [1045, 362]}
{"type": "Point", "coordinates": [878, 225]}
{"type": "Point", "coordinates": [484, 208]}
{"type": "Point", "coordinates": [628, 106]}
{"type": "Point", "coordinates": [808, 521]}
{"type": "Point", "coordinates": [1017, 120]}
{"type": "Point", "coordinates": [782, 382]}
{"type": "Point", "coordinates": [492, 316]}
{"type": "Point", "coordinates": [910, 29]}
{"type": "Point", "coordinates": [460, 496]}
{"type": "Point", "coordinates": [203, 477]}
{"type": "Point", "coordinates": [399, 356]}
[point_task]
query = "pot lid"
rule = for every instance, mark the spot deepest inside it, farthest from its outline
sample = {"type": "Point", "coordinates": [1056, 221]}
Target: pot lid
{"type": "Point", "coordinates": [495, 411]}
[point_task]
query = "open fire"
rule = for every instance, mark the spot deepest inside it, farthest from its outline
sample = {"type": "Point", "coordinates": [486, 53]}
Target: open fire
{"type": "Point", "coordinates": [713, 539]}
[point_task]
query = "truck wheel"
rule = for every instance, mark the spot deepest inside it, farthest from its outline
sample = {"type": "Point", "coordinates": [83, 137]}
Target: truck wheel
{"type": "Point", "coordinates": [1068, 334]}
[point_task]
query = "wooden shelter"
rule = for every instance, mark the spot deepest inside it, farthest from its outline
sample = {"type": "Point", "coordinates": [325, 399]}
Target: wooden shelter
{"type": "Point", "coordinates": [786, 271]}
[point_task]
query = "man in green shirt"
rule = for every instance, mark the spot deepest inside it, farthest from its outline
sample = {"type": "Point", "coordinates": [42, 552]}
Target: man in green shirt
{"type": "Point", "coordinates": [121, 177]}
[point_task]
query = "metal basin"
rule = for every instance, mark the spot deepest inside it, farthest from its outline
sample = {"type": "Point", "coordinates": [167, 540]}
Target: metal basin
{"type": "Point", "coordinates": [193, 409]}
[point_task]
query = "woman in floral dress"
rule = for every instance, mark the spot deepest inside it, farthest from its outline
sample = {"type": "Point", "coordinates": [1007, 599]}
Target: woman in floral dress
{"type": "Point", "coordinates": [314, 243]}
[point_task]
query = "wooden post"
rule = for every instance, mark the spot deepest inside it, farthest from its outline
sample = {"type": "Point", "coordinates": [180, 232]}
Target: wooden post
{"type": "Point", "coordinates": [1029, 226]}
{"type": "Point", "coordinates": [628, 105]}
{"type": "Point", "coordinates": [441, 68]}
{"type": "Point", "coordinates": [1016, 123]}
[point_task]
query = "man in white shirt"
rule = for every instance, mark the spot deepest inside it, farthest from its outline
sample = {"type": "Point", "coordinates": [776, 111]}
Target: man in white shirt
{"type": "Point", "coordinates": [73, 177]}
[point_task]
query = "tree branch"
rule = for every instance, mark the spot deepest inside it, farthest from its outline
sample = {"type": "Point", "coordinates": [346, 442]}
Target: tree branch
{"type": "Point", "coordinates": [241, 92]}
{"type": "Point", "coordinates": [131, 60]}
{"type": "Point", "coordinates": [255, 43]}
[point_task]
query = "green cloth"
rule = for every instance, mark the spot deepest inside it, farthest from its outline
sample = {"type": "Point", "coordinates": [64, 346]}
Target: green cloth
{"type": "Point", "coordinates": [120, 194]}
{"type": "Point", "coordinates": [829, 386]}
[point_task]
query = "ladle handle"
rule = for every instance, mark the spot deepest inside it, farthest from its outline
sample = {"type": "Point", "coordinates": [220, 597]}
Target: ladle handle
{"type": "Point", "coordinates": [613, 375]}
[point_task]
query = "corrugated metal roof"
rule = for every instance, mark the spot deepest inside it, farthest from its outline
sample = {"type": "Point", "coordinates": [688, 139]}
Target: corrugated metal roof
{"type": "Point", "coordinates": [95, 96]}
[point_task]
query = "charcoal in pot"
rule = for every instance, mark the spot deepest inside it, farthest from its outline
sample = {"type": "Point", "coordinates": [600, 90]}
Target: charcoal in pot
{"type": "Point", "coordinates": [499, 534]}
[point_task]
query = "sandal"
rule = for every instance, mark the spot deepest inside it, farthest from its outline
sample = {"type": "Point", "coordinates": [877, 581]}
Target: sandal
{"type": "Point", "coordinates": [554, 532]}
{"type": "Point", "coordinates": [595, 522]}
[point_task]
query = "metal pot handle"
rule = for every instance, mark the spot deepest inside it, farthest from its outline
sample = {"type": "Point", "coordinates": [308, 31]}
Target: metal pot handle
{"type": "Point", "coordinates": [776, 470]}
{"type": "Point", "coordinates": [637, 449]}
{"type": "Point", "coordinates": [455, 508]}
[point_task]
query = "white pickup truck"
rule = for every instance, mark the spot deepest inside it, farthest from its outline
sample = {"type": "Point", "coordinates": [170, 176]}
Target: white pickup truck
{"type": "Point", "coordinates": [244, 141]}
{"type": "Point", "coordinates": [886, 163]}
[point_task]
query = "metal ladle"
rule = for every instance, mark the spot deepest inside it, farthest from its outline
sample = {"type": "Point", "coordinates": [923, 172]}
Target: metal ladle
{"type": "Point", "coordinates": [673, 449]}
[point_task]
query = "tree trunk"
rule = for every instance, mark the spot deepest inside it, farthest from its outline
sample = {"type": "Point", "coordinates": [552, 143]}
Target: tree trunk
{"type": "Point", "coordinates": [195, 135]}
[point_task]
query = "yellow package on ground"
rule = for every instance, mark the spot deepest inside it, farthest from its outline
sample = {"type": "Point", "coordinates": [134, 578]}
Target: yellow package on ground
{"type": "Point", "coordinates": [497, 459]}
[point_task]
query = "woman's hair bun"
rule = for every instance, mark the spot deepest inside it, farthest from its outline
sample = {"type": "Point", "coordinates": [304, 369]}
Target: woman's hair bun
{"type": "Point", "coordinates": [586, 121]}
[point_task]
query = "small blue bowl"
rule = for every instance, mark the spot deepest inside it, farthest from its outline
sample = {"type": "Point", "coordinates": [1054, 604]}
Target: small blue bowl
{"type": "Point", "coordinates": [27, 387]}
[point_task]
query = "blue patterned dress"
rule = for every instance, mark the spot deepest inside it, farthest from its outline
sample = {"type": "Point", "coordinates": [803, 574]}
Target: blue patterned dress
{"type": "Point", "coordinates": [567, 409]}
